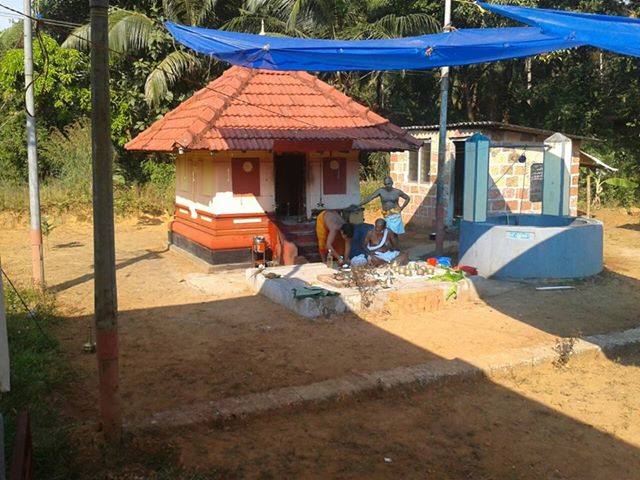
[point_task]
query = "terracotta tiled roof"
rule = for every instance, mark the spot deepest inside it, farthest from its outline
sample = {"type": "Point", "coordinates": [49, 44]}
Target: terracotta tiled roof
{"type": "Point", "coordinates": [249, 109]}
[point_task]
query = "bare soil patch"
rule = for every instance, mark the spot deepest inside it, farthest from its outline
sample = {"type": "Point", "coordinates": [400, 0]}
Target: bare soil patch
{"type": "Point", "coordinates": [179, 346]}
{"type": "Point", "coordinates": [573, 423]}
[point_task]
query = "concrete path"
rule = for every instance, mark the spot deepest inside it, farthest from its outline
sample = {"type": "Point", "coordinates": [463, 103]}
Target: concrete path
{"type": "Point", "coordinates": [227, 409]}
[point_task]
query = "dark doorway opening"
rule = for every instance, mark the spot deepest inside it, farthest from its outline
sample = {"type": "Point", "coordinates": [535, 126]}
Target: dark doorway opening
{"type": "Point", "coordinates": [458, 179]}
{"type": "Point", "coordinates": [290, 174]}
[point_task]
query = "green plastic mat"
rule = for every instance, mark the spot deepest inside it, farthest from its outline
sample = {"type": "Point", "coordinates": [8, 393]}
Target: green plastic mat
{"type": "Point", "coordinates": [312, 292]}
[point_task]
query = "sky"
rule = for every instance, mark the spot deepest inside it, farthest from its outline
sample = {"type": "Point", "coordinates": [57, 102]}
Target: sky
{"type": "Point", "coordinates": [4, 21]}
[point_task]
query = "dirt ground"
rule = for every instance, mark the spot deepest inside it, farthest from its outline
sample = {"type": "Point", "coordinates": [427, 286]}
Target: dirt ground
{"type": "Point", "coordinates": [180, 346]}
{"type": "Point", "coordinates": [578, 423]}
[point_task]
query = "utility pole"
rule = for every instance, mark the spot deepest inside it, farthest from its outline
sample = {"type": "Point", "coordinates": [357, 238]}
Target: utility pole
{"type": "Point", "coordinates": [105, 294]}
{"type": "Point", "coordinates": [5, 377]}
{"type": "Point", "coordinates": [442, 142]}
{"type": "Point", "coordinates": [35, 231]}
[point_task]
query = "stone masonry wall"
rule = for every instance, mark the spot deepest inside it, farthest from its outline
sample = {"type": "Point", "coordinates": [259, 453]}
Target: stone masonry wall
{"type": "Point", "coordinates": [509, 180]}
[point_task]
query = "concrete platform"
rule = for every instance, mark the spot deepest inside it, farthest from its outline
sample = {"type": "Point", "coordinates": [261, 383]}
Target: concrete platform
{"type": "Point", "coordinates": [407, 295]}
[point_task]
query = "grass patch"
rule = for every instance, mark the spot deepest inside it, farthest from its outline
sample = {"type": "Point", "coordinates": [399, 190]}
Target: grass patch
{"type": "Point", "coordinates": [37, 369]}
{"type": "Point", "coordinates": [57, 199]}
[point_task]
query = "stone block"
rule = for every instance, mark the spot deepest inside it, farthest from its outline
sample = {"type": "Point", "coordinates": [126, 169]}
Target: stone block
{"type": "Point", "coordinates": [519, 170]}
{"type": "Point", "coordinates": [513, 205]}
{"type": "Point", "coordinates": [512, 181]}
{"type": "Point", "coordinates": [494, 193]}
{"type": "Point", "coordinates": [496, 205]}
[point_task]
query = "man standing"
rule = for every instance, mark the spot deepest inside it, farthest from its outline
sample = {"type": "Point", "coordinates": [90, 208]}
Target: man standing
{"type": "Point", "coordinates": [391, 208]}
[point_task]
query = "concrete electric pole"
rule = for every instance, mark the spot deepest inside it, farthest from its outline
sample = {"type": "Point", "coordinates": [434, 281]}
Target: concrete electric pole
{"type": "Point", "coordinates": [105, 295]}
{"type": "Point", "coordinates": [442, 142]}
{"type": "Point", "coordinates": [35, 231]}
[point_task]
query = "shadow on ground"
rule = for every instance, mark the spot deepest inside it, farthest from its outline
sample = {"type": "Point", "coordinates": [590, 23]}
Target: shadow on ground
{"type": "Point", "coordinates": [631, 226]}
{"type": "Point", "coordinates": [150, 255]}
{"type": "Point", "coordinates": [179, 355]}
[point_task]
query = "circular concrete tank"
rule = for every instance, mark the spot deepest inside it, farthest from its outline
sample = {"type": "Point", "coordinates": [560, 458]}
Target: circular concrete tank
{"type": "Point", "coordinates": [532, 246]}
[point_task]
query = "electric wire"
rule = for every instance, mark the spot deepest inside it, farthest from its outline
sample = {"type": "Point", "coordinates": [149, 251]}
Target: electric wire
{"type": "Point", "coordinates": [30, 312]}
{"type": "Point", "coordinates": [170, 74]}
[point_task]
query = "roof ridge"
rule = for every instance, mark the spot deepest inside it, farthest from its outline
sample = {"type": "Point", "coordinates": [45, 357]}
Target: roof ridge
{"type": "Point", "coordinates": [193, 99]}
{"type": "Point", "coordinates": [249, 74]}
{"type": "Point", "coordinates": [344, 100]}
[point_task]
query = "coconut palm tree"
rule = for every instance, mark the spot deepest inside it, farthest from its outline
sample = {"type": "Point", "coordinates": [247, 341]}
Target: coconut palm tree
{"type": "Point", "coordinates": [132, 32]}
{"type": "Point", "coordinates": [346, 19]}
{"type": "Point", "coordinates": [337, 19]}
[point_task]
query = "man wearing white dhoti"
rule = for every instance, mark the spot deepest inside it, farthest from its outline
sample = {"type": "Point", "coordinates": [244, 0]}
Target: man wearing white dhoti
{"type": "Point", "coordinates": [382, 245]}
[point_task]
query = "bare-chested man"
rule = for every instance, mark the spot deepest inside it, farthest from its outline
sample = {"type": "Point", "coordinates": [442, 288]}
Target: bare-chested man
{"type": "Point", "coordinates": [390, 201]}
{"type": "Point", "coordinates": [334, 236]}
{"type": "Point", "coordinates": [382, 245]}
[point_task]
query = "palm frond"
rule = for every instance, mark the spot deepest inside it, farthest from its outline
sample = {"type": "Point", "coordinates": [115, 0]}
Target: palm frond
{"type": "Point", "coordinates": [321, 12]}
{"type": "Point", "coordinates": [250, 22]}
{"type": "Point", "coordinates": [79, 38]}
{"type": "Point", "coordinates": [207, 8]}
{"type": "Point", "coordinates": [128, 31]}
{"type": "Point", "coordinates": [277, 8]}
{"type": "Point", "coordinates": [406, 25]}
{"type": "Point", "coordinates": [171, 69]}
{"type": "Point", "coordinates": [190, 12]}
{"type": "Point", "coordinates": [131, 31]}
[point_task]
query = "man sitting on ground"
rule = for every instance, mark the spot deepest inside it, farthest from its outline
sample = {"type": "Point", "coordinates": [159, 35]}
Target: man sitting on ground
{"type": "Point", "coordinates": [382, 246]}
{"type": "Point", "coordinates": [331, 240]}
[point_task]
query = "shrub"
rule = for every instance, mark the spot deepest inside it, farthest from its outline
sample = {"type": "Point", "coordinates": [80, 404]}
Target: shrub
{"type": "Point", "coordinates": [69, 154]}
{"type": "Point", "coordinates": [367, 187]}
{"type": "Point", "coordinates": [161, 182]}
{"type": "Point", "coordinates": [374, 166]}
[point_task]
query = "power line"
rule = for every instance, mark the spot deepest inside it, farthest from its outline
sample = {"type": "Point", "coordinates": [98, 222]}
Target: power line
{"type": "Point", "coordinates": [172, 74]}
{"type": "Point", "coordinates": [29, 312]}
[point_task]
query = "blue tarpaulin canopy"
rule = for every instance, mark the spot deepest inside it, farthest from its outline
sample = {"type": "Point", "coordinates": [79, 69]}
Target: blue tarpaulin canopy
{"type": "Point", "coordinates": [608, 32]}
{"type": "Point", "coordinates": [459, 47]}
{"type": "Point", "coordinates": [549, 30]}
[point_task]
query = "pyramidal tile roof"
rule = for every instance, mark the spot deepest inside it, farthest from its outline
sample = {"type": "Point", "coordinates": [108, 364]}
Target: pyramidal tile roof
{"type": "Point", "coordinates": [251, 109]}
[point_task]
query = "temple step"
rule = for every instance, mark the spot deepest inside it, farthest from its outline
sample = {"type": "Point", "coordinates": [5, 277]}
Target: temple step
{"type": "Point", "coordinates": [303, 235]}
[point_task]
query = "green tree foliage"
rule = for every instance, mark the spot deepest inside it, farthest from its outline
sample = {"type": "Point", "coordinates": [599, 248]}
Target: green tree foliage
{"type": "Point", "coordinates": [72, 11]}
{"type": "Point", "coordinates": [11, 37]}
{"type": "Point", "coordinates": [13, 148]}
{"type": "Point", "coordinates": [69, 154]}
{"type": "Point", "coordinates": [581, 91]}
{"type": "Point", "coordinates": [61, 82]}
{"type": "Point", "coordinates": [140, 31]}
{"type": "Point", "coordinates": [62, 96]}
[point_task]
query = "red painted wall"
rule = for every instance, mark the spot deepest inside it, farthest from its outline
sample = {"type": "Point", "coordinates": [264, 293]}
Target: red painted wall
{"type": "Point", "coordinates": [245, 176]}
{"type": "Point", "coordinates": [334, 176]}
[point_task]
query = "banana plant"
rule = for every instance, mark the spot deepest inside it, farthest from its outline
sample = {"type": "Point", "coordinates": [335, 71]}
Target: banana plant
{"type": "Point", "coordinates": [625, 183]}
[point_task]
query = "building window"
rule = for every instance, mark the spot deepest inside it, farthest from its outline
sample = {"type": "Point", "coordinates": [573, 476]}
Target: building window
{"type": "Point", "coordinates": [334, 176]}
{"type": "Point", "coordinates": [414, 160]}
{"type": "Point", "coordinates": [420, 164]}
{"type": "Point", "coordinates": [245, 176]}
{"type": "Point", "coordinates": [425, 162]}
